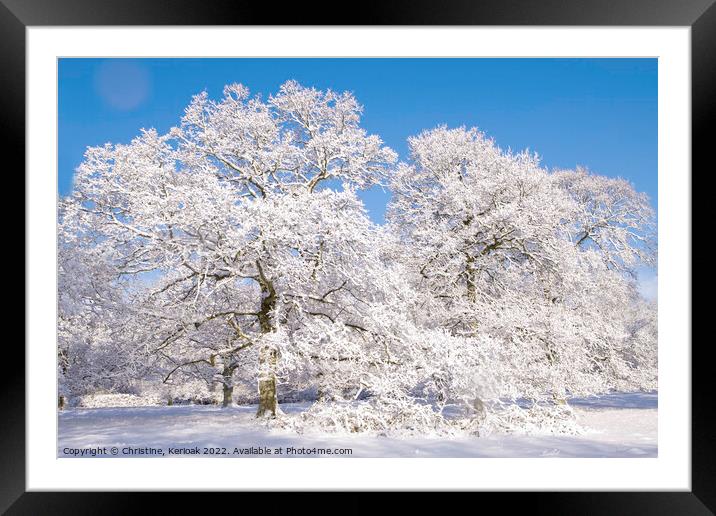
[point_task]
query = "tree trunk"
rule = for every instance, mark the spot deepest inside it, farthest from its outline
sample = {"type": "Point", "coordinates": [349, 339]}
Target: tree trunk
{"type": "Point", "coordinates": [480, 410]}
{"type": "Point", "coordinates": [470, 278]}
{"type": "Point", "coordinates": [268, 401]}
{"type": "Point", "coordinates": [268, 356]}
{"type": "Point", "coordinates": [320, 392]}
{"type": "Point", "coordinates": [228, 386]}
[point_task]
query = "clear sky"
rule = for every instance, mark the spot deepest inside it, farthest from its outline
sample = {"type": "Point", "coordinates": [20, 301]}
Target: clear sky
{"type": "Point", "coordinates": [599, 113]}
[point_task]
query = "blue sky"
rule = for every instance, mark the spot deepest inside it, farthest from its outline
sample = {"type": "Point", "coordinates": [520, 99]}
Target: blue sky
{"type": "Point", "coordinates": [599, 113]}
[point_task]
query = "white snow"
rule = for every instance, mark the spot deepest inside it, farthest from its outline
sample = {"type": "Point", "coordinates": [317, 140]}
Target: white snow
{"type": "Point", "coordinates": [617, 425]}
{"type": "Point", "coordinates": [117, 400]}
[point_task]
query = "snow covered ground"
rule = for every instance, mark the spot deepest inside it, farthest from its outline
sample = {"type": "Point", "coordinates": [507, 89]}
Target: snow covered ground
{"type": "Point", "coordinates": [619, 425]}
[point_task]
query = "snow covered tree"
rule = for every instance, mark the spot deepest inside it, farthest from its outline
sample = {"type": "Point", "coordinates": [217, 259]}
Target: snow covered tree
{"type": "Point", "coordinates": [228, 210]}
{"type": "Point", "coordinates": [498, 250]}
{"type": "Point", "coordinates": [99, 337]}
{"type": "Point", "coordinates": [611, 217]}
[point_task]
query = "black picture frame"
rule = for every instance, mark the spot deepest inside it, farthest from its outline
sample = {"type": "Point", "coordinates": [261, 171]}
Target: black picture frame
{"type": "Point", "coordinates": [700, 15]}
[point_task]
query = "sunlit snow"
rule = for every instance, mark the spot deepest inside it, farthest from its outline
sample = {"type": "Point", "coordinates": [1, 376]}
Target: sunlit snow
{"type": "Point", "coordinates": [617, 425]}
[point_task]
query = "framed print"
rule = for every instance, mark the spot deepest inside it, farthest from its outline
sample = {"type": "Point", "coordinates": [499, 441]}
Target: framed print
{"type": "Point", "coordinates": [431, 251]}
